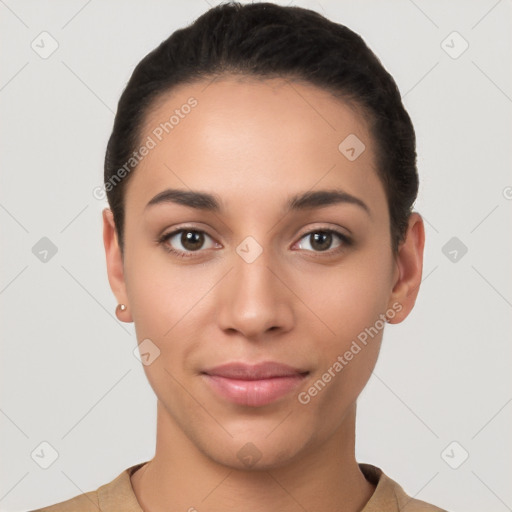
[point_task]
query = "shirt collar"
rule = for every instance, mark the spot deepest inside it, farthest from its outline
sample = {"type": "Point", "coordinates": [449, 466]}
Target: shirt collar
{"type": "Point", "coordinates": [387, 497]}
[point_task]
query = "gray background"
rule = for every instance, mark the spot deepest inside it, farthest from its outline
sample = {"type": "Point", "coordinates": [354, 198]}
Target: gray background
{"type": "Point", "coordinates": [69, 376]}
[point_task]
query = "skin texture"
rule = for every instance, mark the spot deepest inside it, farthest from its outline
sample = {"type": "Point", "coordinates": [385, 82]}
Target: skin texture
{"type": "Point", "coordinates": [255, 143]}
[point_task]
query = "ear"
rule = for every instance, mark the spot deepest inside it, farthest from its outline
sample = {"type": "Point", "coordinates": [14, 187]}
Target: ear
{"type": "Point", "coordinates": [408, 270]}
{"type": "Point", "coordinates": [115, 266]}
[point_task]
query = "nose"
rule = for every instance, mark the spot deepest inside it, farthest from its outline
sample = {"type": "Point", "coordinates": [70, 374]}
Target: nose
{"type": "Point", "coordinates": [254, 299]}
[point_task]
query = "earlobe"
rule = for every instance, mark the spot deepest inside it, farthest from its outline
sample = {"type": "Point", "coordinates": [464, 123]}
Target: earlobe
{"type": "Point", "coordinates": [115, 266]}
{"type": "Point", "coordinates": [409, 265]}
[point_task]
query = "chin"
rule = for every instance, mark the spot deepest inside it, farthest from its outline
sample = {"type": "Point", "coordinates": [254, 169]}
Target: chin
{"type": "Point", "coordinates": [256, 452]}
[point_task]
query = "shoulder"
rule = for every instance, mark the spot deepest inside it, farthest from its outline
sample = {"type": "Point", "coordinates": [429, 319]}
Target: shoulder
{"type": "Point", "coordinates": [389, 496]}
{"type": "Point", "coordinates": [110, 497]}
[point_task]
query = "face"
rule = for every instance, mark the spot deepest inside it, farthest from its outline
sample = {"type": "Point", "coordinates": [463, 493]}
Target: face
{"type": "Point", "coordinates": [258, 278]}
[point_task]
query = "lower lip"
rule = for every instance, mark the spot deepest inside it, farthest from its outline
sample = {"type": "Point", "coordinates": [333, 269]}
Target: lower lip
{"type": "Point", "coordinates": [254, 393]}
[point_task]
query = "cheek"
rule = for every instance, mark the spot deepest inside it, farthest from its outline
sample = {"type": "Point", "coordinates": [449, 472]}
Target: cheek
{"type": "Point", "coordinates": [349, 349]}
{"type": "Point", "coordinates": [160, 290]}
{"type": "Point", "coordinates": [168, 303]}
{"type": "Point", "coordinates": [168, 310]}
{"type": "Point", "coordinates": [349, 355]}
{"type": "Point", "coordinates": [352, 301]}
{"type": "Point", "coordinates": [352, 297]}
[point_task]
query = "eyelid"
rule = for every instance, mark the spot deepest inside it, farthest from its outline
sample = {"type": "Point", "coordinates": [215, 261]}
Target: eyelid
{"type": "Point", "coordinates": [345, 232]}
{"type": "Point", "coordinates": [185, 227]}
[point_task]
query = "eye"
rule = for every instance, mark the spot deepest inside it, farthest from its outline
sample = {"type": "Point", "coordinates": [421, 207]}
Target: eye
{"type": "Point", "coordinates": [190, 240]}
{"type": "Point", "coordinates": [321, 240]}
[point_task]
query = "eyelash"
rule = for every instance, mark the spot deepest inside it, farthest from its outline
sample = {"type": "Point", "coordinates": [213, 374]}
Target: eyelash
{"type": "Point", "coordinates": [346, 241]}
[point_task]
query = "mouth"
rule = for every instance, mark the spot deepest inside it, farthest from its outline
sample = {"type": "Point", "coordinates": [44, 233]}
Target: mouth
{"type": "Point", "coordinates": [253, 385]}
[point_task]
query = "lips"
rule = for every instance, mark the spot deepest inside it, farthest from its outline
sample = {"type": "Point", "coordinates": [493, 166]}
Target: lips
{"type": "Point", "coordinates": [253, 385]}
{"type": "Point", "coordinates": [265, 370]}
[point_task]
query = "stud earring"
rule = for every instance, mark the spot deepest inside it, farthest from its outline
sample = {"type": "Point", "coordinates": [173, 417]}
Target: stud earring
{"type": "Point", "coordinates": [121, 308]}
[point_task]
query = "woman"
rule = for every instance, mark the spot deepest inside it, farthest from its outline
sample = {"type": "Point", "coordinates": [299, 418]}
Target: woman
{"type": "Point", "coordinates": [260, 174]}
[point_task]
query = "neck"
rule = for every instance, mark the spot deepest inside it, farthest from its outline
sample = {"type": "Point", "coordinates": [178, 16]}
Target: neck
{"type": "Point", "coordinates": [181, 477]}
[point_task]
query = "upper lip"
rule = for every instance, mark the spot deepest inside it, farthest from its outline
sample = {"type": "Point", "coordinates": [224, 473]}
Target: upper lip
{"type": "Point", "coordinates": [244, 371]}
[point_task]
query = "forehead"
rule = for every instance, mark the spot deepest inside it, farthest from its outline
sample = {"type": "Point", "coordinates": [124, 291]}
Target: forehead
{"type": "Point", "coordinates": [254, 140]}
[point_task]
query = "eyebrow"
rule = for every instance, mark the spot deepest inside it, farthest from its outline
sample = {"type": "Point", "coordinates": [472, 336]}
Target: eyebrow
{"type": "Point", "coordinates": [211, 202]}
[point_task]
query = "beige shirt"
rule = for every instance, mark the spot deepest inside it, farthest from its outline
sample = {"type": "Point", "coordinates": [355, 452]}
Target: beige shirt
{"type": "Point", "coordinates": [118, 496]}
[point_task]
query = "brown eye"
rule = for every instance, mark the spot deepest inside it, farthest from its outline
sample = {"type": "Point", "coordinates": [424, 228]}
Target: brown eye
{"type": "Point", "coordinates": [184, 242]}
{"type": "Point", "coordinates": [192, 240]}
{"type": "Point", "coordinates": [322, 240]}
